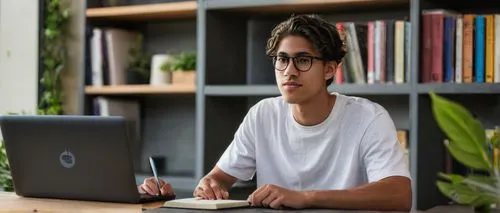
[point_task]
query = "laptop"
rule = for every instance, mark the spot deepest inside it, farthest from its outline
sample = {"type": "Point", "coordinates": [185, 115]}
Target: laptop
{"type": "Point", "coordinates": [72, 157]}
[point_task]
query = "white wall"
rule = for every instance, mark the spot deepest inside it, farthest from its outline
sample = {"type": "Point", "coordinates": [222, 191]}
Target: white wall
{"type": "Point", "coordinates": [18, 55]}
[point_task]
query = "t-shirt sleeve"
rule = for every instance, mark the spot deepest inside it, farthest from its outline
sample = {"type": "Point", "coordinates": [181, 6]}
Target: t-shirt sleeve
{"type": "Point", "coordinates": [238, 160]}
{"type": "Point", "coordinates": [382, 154]}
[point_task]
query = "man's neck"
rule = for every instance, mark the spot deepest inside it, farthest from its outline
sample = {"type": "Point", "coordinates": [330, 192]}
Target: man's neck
{"type": "Point", "coordinates": [315, 110]}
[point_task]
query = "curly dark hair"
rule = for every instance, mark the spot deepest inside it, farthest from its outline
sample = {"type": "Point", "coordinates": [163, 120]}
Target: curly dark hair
{"type": "Point", "coordinates": [323, 35]}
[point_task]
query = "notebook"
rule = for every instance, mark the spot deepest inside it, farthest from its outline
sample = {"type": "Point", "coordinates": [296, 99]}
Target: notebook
{"type": "Point", "coordinates": [197, 203]}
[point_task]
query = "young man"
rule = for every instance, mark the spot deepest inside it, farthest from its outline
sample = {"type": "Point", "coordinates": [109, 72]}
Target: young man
{"type": "Point", "coordinates": [310, 148]}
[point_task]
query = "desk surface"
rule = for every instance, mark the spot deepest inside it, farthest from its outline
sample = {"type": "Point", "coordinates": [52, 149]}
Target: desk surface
{"type": "Point", "coordinates": [10, 202]}
{"type": "Point", "coordinates": [438, 209]}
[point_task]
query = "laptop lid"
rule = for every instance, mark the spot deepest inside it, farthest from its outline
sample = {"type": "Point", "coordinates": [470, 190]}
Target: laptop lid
{"type": "Point", "coordinates": [70, 157]}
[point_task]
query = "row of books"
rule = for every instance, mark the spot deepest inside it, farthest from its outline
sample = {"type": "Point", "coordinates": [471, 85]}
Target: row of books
{"type": "Point", "coordinates": [377, 52]}
{"type": "Point", "coordinates": [109, 54]}
{"type": "Point", "coordinates": [460, 48]}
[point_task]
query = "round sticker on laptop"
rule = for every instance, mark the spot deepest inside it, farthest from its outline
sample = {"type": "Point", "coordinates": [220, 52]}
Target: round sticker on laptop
{"type": "Point", "coordinates": [67, 159]}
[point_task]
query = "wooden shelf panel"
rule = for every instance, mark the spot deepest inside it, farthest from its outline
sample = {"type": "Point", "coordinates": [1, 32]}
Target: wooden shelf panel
{"type": "Point", "coordinates": [300, 6]}
{"type": "Point", "coordinates": [271, 90]}
{"type": "Point", "coordinates": [459, 88]}
{"type": "Point", "coordinates": [174, 10]}
{"type": "Point", "coordinates": [140, 89]}
{"type": "Point", "coordinates": [241, 90]}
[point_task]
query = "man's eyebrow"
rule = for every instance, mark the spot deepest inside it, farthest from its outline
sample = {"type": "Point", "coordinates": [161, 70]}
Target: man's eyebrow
{"type": "Point", "coordinates": [282, 54]}
{"type": "Point", "coordinates": [303, 53]}
{"type": "Point", "coordinates": [296, 54]}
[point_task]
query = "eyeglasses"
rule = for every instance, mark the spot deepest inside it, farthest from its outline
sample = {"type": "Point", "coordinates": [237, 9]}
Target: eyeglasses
{"type": "Point", "coordinates": [301, 63]}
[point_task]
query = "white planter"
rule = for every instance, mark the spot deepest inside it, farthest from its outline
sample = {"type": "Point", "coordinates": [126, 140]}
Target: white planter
{"type": "Point", "coordinates": [159, 77]}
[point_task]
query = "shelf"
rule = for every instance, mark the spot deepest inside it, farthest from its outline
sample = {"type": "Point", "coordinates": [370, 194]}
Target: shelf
{"type": "Point", "coordinates": [272, 90]}
{"type": "Point", "coordinates": [462, 88]}
{"type": "Point", "coordinates": [174, 10]}
{"type": "Point", "coordinates": [288, 6]}
{"type": "Point", "coordinates": [372, 89]}
{"type": "Point", "coordinates": [139, 89]}
{"type": "Point", "coordinates": [241, 90]}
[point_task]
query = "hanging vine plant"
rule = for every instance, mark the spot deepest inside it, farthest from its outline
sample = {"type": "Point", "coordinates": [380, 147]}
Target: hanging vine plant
{"type": "Point", "coordinates": [54, 61]}
{"type": "Point", "coordinates": [54, 55]}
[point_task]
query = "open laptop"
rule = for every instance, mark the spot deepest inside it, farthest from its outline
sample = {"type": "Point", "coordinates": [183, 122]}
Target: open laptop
{"type": "Point", "coordinates": [72, 157]}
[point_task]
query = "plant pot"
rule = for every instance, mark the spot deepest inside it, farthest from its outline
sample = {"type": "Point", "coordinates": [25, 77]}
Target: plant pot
{"type": "Point", "coordinates": [184, 77]}
{"type": "Point", "coordinates": [158, 76]}
{"type": "Point", "coordinates": [134, 77]}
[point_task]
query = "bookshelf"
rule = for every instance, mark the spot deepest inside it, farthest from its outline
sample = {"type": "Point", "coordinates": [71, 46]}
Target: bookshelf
{"type": "Point", "coordinates": [158, 11]}
{"type": "Point", "coordinates": [233, 73]}
{"type": "Point", "coordinates": [140, 89]}
{"type": "Point", "coordinates": [284, 6]}
{"type": "Point", "coordinates": [166, 111]}
{"type": "Point", "coordinates": [272, 90]}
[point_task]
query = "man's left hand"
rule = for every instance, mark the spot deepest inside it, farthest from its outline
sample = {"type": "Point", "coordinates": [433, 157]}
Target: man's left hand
{"type": "Point", "coordinates": [277, 198]}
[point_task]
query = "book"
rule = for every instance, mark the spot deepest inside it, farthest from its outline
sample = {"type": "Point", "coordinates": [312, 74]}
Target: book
{"type": "Point", "coordinates": [196, 203]}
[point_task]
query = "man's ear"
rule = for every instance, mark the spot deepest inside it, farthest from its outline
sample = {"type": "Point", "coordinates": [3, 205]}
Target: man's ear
{"type": "Point", "coordinates": [330, 70]}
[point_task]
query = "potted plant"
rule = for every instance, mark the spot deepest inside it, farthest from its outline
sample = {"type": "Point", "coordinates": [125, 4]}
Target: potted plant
{"type": "Point", "coordinates": [138, 70]}
{"type": "Point", "coordinates": [468, 144]}
{"type": "Point", "coordinates": [6, 183]}
{"type": "Point", "coordinates": [182, 67]}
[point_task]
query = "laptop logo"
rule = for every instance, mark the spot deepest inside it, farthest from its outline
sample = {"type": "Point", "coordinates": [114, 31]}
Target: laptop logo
{"type": "Point", "coordinates": [67, 159]}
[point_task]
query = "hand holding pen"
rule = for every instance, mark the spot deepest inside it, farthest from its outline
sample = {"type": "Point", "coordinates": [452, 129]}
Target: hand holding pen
{"type": "Point", "coordinates": [154, 185]}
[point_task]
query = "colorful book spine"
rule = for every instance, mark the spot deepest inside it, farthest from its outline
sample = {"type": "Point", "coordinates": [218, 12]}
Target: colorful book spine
{"type": "Point", "coordinates": [497, 49]}
{"type": "Point", "coordinates": [449, 50]}
{"type": "Point", "coordinates": [370, 52]}
{"type": "Point", "coordinates": [468, 48]}
{"type": "Point", "coordinates": [490, 48]}
{"type": "Point", "coordinates": [399, 55]}
{"type": "Point", "coordinates": [437, 48]}
{"type": "Point", "coordinates": [458, 50]}
{"type": "Point", "coordinates": [426, 48]}
{"type": "Point", "coordinates": [479, 48]}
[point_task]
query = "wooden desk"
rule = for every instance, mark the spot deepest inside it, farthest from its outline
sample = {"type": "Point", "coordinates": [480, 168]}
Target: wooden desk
{"type": "Point", "coordinates": [10, 202]}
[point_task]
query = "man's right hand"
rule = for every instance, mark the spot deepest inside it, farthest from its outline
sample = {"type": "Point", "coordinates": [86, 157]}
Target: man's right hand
{"type": "Point", "coordinates": [149, 186]}
{"type": "Point", "coordinates": [210, 189]}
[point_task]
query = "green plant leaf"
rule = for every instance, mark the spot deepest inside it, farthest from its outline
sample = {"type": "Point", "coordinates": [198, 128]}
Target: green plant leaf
{"type": "Point", "coordinates": [455, 179]}
{"type": "Point", "coordinates": [459, 193]}
{"type": "Point", "coordinates": [464, 194]}
{"type": "Point", "coordinates": [486, 184]}
{"type": "Point", "coordinates": [484, 200]}
{"type": "Point", "coordinates": [5, 175]}
{"type": "Point", "coordinates": [490, 180]}
{"type": "Point", "coordinates": [468, 159]}
{"type": "Point", "coordinates": [466, 132]}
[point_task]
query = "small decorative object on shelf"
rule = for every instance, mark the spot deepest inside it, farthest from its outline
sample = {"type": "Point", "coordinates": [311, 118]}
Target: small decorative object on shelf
{"type": "Point", "coordinates": [468, 143]}
{"type": "Point", "coordinates": [138, 71]}
{"type": "Point", "coordinates": [158, 76]}
{"type": "Point", "coordinates": [182, 67]}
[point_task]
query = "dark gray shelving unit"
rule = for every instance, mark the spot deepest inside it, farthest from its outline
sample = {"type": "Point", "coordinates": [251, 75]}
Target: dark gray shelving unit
{"type": "Point", "coordinates": [168, 116]}
{"type": "Point", "coordinates": [272, 90]}
{"type": "Point", "coordinates": [233, 74]}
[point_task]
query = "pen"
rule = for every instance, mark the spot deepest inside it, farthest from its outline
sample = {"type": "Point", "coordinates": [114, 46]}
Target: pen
{"type": "Point", "coordinates": [153, 167]}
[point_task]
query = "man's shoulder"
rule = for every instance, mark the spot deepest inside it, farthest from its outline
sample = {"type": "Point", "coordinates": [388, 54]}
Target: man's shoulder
{"type": "Point", "coordinates": [270, 103]}
{"type": "Point", "coordinates": [362, 106]}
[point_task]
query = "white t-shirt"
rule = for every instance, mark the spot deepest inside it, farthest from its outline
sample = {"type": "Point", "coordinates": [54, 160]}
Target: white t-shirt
{"type": "Point", "coordinates": [355, 145]}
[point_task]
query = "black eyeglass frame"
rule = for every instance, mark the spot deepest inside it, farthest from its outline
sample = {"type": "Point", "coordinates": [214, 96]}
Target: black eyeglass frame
{"type": "Point", "coordinates": [294, 59]}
